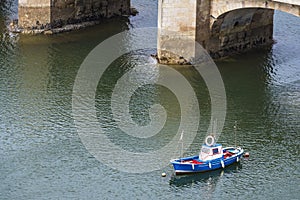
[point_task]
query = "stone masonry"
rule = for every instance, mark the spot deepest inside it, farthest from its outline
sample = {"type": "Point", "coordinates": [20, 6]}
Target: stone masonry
{"type": "Point", "coordinates": [240, 30]}
{"type": "Point", "coordinates": [222, 27]}
{"type": "Point", "coordinates": [176, 27]}
{"type": "Point", "coordinates": [48, 14]}
{"type": "Point", "coordinates": [32, 12]}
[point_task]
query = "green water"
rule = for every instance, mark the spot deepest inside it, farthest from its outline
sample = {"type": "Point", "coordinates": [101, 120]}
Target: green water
{"type": "Point", "coordinates": [42, 156]}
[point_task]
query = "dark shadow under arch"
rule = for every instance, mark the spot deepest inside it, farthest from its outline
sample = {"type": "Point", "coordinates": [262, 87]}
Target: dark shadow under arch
{"type": "Point", "coordinates": [240, 30]}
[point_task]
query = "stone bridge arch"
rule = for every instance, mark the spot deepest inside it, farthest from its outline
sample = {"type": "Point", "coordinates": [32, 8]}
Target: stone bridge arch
{"type": "Point", "coordinates": [221, 27]}
{"type": "Point", "coordinates": [219, 7]}
{"type": "Point", "coordinates": [239, 25]}
{"type": "Point", "coordinates": [239, 30]}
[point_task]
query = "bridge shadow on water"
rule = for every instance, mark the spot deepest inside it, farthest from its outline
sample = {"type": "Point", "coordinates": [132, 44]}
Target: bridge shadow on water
{"type": "Point", "coordinates": [207, 178]}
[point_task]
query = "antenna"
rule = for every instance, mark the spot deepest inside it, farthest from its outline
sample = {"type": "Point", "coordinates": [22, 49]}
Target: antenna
{"type": "Point", "coordinates": [235, 127]}
{"type": "Point", "coordinates": [181, 140]}
{"type": "Point", "coordinates": [215, 129]}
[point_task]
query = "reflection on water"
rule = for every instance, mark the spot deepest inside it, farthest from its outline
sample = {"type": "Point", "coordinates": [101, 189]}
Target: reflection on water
{"type": "Point", "coordinates": [209, 179]}
{"type": "Point", "coordinates": [222, 183]}
{"type": "Point", "coordinates": [42, 156]}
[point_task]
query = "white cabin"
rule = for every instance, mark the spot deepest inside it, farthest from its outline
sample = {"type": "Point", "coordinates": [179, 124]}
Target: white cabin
{"type": "Point", "coordinates": [210, 152]}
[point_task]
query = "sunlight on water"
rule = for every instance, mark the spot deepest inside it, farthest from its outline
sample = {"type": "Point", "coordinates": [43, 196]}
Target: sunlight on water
{"type": "Point", "coordinates": [42, 157]}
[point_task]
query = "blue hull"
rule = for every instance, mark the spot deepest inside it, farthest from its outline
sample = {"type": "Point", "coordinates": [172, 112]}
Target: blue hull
{"type": "Point", "coordinates": [181, 166]}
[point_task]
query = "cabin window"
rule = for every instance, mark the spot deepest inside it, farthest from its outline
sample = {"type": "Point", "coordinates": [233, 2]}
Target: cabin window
{"type": "Point", "coordinates": [205, 150]}
{"type": "Point", "coordinates": [215, 151]}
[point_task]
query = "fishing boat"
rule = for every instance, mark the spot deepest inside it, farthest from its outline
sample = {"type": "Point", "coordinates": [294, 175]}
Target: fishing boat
{"type": "Point", "coordinates": [211, 157]}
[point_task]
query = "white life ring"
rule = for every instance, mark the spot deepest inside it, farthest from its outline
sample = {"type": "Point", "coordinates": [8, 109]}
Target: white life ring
{"type": "Point", "coordinates": [211, 142]}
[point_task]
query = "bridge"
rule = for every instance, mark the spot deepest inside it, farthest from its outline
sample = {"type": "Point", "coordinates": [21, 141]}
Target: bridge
{"type": "Point", "coordinates": [221, 27]}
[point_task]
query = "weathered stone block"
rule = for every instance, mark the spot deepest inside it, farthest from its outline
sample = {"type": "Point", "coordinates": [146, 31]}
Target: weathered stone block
{"type": "Point", "coordinates": [221, 27]}
{"type": "Point", "coordinates": [177, 21]}
{"type": "Point", "coordinates": [241, 30]}
{"type": "Point", "coordinates": [61, 12]}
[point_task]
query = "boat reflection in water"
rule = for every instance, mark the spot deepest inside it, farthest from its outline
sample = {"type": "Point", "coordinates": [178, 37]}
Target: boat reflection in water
{"type": "Point", "coordinates": [210, 178]}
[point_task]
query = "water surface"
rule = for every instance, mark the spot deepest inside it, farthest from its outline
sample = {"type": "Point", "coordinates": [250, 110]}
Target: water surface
{"type": "Point", "coordinates": [42, 156]}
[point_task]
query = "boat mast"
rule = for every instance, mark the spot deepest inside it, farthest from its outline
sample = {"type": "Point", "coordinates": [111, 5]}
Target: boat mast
{"type": "Point", "coordinates": [181, 140]}
{"type": "Point", "coordinates": [235, 127]}
{"type": "Point", "coordinates": [214, 131]}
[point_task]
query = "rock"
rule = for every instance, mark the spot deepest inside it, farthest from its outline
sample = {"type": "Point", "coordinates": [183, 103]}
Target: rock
{"type": "Point", "coordinates": [48, 32]}
{"type": "Point", "coordinates": [133, 11]}
{"type": "Point", "coordinates": [181, 61]}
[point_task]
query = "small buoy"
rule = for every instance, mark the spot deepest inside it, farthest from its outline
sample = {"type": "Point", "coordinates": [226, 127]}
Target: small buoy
{"type": "Point", "coordinates": [164, 174]}
{"type": "Point", "coordinates": [246, 154]}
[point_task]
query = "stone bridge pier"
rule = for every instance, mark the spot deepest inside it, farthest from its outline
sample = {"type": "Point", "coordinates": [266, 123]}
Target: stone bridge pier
{"type": "Point", "coordinates": [222, 27]}
{"type": "Point", "coordinates": [41, 14]}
